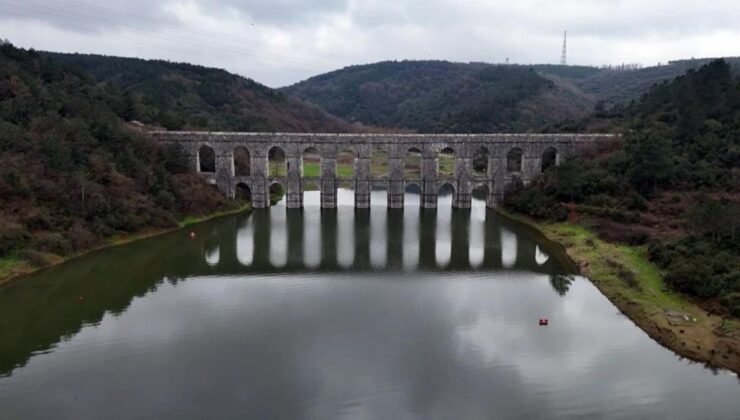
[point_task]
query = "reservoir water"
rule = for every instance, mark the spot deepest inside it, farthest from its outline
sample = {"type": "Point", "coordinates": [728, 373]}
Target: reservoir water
{"type": "Point", "coordinates": [337, 314]}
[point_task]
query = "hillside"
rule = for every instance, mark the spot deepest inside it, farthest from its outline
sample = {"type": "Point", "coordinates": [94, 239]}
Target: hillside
{"type": "Point", "coordinates": [674, 184]}
{"type": "Point", "coordinates": [181, 96]}
{"type": "Point", "coordinates": [617, 87]}
{"type": "Point", "coordinates": [439, 96]}
{"type": "Point", "coordinates": [72, 173]}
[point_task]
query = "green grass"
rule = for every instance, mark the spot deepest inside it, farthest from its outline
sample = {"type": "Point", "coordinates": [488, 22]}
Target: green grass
{"type": "Point", "coordinates": [446, 164]}
{"type": "Point", "coordinates": [615, 268]}
{"type": "Point", "coordinates": [190, 220]}
{"type": "Point", "coordinates": [11, 265]}
{"type": "Point", "coordinates": [313, 169]}
{"type": "Point", "coordinates": [379, 166]}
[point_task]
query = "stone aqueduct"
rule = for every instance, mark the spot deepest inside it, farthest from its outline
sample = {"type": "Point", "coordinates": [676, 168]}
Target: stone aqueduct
{"type": "Point", "coordinates": [510, 158]}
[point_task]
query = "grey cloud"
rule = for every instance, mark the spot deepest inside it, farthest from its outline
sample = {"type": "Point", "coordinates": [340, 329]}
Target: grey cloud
{"type": "Point", "coordinates": [295, 39]}
{"type": "Point", "coordinates": [280, 12]}
{"type": "Point", "coordinates": [88, 15]}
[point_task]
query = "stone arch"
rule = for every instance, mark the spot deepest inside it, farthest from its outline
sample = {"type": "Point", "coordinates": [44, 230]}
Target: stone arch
{"type": "Point", "coordinates": [242, 161]}
{"type": "Point", "coordinates": [481, 160]}
{"type": "Point", "coordinates": [446, 162]}
{"type": "Point", "coordinates": [243, 192]}
{"type": "Point", "coordinates": [206, 159]}
{"type": "Point", "coordinates": [549, 158]}
{"type": "Point", "coordinates": [514, 160]}
{"type": "Point", "coordinates": [311, 162]}
{"type": "Point", "coordinates": [412, 163]}
{"type": "Point", "coordinates": [346, 162]}
{"type": "Point", "coordinates": [276, 162]}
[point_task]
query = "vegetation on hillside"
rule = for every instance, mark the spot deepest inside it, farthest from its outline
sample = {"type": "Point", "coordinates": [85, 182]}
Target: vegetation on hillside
{"type": "Point", "coordinates": [444, 97]}
{"type": "Point", "coordinates": [673, 184]}
{"type": "Point", "coordinates": [179, 96]}
{"type": "Point", "coordinates": [439, 96]}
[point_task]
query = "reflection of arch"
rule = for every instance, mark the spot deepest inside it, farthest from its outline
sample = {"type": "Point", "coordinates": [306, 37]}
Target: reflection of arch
{"type": "Point", "coordinates": [243, 192]}
{"type": "Point", "coordinates": [242, 163]}
{"type": "Point", "coordinates": [212, 256]}
{"type": "Point", "coordinates": [206, 159]}
{"type": "Point", "coordinates": [311, 162]}
{"type": "Point", "coordinates": [446, 161]}
{"type": "Point", "coordinates": [549, 158]}
{"type": "Point", "coordinates": [412, 163]}
{"type": "Point", "coordinates": [480, 161]}
{"type": "Point", "coordinates": [346, 162]}
{"type": "Point", "coordinates": [276, 161]}
{"type": "Point", "coordinates": [514, 160]}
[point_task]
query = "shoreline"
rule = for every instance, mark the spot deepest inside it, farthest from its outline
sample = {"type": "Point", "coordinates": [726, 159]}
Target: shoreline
{"type": "Point", "coordinates": [18, 269]}
{"type": "Point", "coordinates": [625, 276]}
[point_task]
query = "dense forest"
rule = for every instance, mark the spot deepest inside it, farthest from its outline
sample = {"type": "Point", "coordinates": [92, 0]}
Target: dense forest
{"type": "Point", "coordinates": [673, 184]}
{"type": "Point", "coordinates": [439, 96]}
{"type": "Point", "coordinates": [73, 170]}
{"type": "Point", "coordinates": [444, 97]}
{"type": "Point", "coordinates": [180, 96]}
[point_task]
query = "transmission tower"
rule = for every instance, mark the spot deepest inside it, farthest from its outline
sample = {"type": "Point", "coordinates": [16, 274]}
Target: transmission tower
{"type": "Point", "coordinates": [563, 56]}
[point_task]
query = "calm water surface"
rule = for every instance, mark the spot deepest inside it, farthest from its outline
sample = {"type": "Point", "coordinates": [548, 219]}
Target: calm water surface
{"type": "Point", "coordinates": [337, 314]}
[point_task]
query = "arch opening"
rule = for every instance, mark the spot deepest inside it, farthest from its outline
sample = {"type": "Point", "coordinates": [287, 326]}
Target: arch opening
{"type": "Point", "coordinates": [379, 162]}
{"type": "Point", "coordinates": [445, 195]}
{"type": "Point", "coordinates": [276, 162]}
{"type": "Point", "coordinates": [480, 192]}
{"type": "Point", "coordinates": [311, 163]}
{"type": "Point", "coordinates": [277, 192]}
{"type": "Point", "coordinates": [549, 158]}
{"type": "Point", "coordinates": [446, 162]}
{"type": "Point", "coordinates": [206, 159]}
{"type": "Point", "coordinates": [242, 192]}
{"type": "Point", "coordinates": [242, 161]}
{"type": "Point", "coordinates": [514, 160]}
{"type": "Point", "coordinates": [412, 163]}
{"type": "Point", "coordinates": [346, 163]}
{"type": "Point", "coordinates": [480, 162]}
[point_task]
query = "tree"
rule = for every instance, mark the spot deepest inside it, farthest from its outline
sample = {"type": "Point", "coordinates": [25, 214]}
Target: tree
{"type": "Point", "coordinates": [651, 162]}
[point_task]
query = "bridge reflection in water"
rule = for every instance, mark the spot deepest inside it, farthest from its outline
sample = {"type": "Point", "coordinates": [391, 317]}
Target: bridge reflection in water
{"type": "Point", "coordinates": [278, 239]}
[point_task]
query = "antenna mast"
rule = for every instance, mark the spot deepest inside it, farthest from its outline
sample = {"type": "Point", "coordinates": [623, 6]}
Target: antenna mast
{"type": "Point", "coordinates": [563, 56]}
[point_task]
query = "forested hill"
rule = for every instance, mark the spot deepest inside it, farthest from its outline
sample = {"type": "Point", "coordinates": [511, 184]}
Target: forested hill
{"type": "Point", "coordinates": [181, 96]}
{"type": "Point", "coordinates": [674, 184]}
{"type": "Point", "coordinates": [439, 96]}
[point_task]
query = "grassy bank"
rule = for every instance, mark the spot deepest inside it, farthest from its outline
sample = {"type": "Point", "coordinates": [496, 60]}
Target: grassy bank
{"type": "Point", "coordinates": [635, 285]}
{"type": "Point", "coordinates": [12, 267]}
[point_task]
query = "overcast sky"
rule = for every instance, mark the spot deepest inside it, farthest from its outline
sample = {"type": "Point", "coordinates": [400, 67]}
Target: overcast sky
{"type": "Point", "coordinates": [279, 42]}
